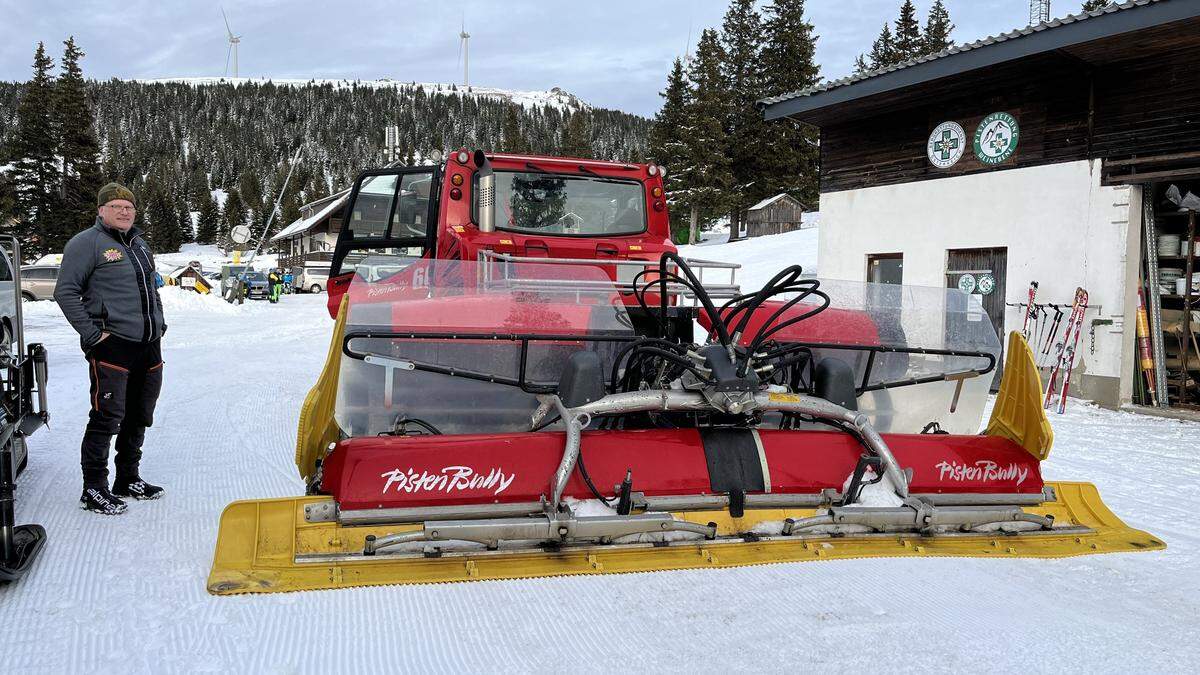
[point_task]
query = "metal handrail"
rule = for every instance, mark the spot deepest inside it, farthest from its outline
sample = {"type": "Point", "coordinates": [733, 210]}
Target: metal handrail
{"type": "Point", "coordinates": [487, 258]}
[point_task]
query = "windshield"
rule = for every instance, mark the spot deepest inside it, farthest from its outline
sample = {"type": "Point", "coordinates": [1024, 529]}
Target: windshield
{"type": "Point", "coordinates": [581, 206]}
{"type": "Point", "coordinates": [459, 347]}
{"type": "Point", "coordinates": [256, 276]}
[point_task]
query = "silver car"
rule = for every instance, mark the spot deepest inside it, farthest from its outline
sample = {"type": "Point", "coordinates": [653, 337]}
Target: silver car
{"type": "Point", "coordinates": [38, 281]}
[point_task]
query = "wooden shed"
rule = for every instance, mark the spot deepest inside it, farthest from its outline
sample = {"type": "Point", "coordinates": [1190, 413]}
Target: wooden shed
{"type": "Point", "coordinates": [189, 277]}
{"type": "Point", "coordinates": [775, 215]}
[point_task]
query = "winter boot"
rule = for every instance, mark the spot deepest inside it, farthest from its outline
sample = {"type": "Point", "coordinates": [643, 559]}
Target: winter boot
{"type": "Point", "coordinates": [99, 500]}
{"type": "Point", "coordinates": [136, 488]}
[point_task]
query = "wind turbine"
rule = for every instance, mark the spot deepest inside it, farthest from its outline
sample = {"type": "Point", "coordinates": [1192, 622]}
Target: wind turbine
{"type": "Point", "coordinates": [463, 51]}
{"type": "Point", "coordinates": [234, 40]}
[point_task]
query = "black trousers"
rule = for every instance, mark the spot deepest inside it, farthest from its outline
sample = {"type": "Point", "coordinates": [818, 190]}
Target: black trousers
{"type": "Point", "coordinates": [126, 379]}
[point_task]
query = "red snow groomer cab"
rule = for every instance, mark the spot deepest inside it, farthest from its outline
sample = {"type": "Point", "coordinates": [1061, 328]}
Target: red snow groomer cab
{"type": "Point", "coordinates": [525, 379]}
{"type": "Point", "coordinates": [505, 210]}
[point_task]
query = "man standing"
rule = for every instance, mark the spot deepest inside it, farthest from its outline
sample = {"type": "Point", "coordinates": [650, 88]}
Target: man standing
{"type": "Point", "coordinates": [106, 290]}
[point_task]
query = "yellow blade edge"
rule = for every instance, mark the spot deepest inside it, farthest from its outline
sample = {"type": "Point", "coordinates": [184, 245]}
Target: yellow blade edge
{"type": "Point", "coordinates": [258, 543]}
{"type": "Point", "coordinates": [1018, 414]}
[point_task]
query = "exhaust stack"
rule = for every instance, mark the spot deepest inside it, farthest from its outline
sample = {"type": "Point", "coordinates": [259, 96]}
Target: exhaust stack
{"type": "Point", "coordinates": [487, 193]}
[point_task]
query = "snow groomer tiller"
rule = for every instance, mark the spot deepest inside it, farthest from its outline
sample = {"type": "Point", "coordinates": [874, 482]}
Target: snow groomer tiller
{"type": "Point", "coordinates": [496, 416]}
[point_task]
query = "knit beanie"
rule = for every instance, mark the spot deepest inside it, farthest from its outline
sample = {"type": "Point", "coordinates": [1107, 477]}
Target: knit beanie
{"type": "Point", "coordinates": [114, 191]}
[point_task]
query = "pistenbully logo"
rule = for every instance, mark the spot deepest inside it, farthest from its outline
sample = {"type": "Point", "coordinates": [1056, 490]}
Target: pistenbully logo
{"type": "Point", "coordinates": [449, 479]}
{"type": "Point", "coordinates": [982, 470]}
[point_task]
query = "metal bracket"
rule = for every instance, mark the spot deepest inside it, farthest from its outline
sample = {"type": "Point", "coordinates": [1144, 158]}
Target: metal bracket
{"type": "Point", "coordinates": [321, 512]}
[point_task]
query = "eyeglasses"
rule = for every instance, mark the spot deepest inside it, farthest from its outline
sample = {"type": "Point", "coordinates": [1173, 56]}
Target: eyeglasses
{"type": "Point", "coordinates": [121, 209]}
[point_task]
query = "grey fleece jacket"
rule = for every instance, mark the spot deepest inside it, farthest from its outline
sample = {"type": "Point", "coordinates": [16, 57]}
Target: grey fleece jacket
{"type": "Point", "coordinates": [106, 283]}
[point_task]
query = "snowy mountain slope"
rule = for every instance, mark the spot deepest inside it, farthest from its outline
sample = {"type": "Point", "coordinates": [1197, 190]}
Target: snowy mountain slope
{"type": "Point", "coordinates": [127, 594]}
{"type": "Point", "coordinates": [554, 97]}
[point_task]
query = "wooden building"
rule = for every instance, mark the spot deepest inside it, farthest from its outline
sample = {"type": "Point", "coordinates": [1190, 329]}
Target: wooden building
{"type": "Point", "coordinates": [774, 215]}
{"type": "Point", "coordinates": [189, 277]}
{"type": "Point", "coordinates": [312, 236]}
{"type": "Point", "coordinates": [1040, 155]}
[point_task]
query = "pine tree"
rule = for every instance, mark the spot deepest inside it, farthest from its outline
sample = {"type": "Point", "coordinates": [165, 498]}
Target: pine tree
{"type": "Point", "coordinates": [908, 33]}
{"type": "Point", "coordinates": [577, 136]}
{"type": "Point", "coordinates": [513, 140]}
{"type": "Point", "coordinates": [78, 148]}
{"type": "Point", "coordinates": [161, 222]}
{"type": "Point", "coordinates": [667, 147]}
{"type": "Point", "coordinates": [746, 133]}
{"type": "Point", "coordinates": [208, 225]}
{"type": "Point", "coordinates": [883, 50]}
{"type": "Point", "coordinates": [789, 64]}
{"type": "Point", "coordinates": [707, 174]}
{"type": "Point", "coordinates": [35, 174]}
{"type": "Point", "coordinates": [249, 189]}
{"type": "Point", "coordinates": [235, 214]}
{"type": "Point", "coordinates": [1093, 5]}
{"type": "Point", "coordinates": [937, 29]}
{"type": "Point", "coordinates": [186, 227]}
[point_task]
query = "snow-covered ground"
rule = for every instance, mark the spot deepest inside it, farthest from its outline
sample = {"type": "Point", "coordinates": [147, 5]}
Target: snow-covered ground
{"type": "Point", "coordinates": [210, 258]}
{"type": "Point", "coordinates": [127, 594]}
{"type": "Point", "coordinates": [760, 257]}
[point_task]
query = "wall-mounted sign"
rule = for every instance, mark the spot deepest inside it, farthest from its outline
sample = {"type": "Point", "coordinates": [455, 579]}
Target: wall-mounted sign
{"type": "Point", "coordinates": [966, 283]}
{"type": "Point", "coordinates": [946, 144]}
{"type": "Point", "coordinates": [996, 138]}
{"type": "Point", "coordinates": [986, 284]}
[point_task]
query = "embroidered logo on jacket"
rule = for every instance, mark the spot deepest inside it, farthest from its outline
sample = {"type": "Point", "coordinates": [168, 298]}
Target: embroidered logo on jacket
{"type": "Point", "coordinates": [112, 255]}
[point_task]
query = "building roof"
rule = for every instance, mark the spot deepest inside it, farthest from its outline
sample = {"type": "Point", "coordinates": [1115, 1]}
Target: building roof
{"type": "Point", "coordinates": [1115, 19]}
{"type": "Point", "coordinates": [301, 225]}
{"type": "Point", "coordinates": [771, 200]}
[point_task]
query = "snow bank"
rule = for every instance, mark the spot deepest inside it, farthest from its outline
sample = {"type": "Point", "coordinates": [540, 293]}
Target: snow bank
{"type": "Point", "coordinates": [210, 257]}
{"type": "Point", "coordinates": [760, 257]}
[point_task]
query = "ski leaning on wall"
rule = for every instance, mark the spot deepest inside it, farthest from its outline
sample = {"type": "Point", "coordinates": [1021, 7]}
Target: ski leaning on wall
{"type": "Point", "coordinates": [1030, 309]}
{"type": "Point", "coordinates": [1066, 354]}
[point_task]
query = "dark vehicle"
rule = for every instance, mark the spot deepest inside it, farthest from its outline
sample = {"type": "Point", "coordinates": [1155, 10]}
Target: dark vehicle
{"type": "Point", "coordinates": [22, 376]}
{"type": "Point", "coordinates": [256, 284]}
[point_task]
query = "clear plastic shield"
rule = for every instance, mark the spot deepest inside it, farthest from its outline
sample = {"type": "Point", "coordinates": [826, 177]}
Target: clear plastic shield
{"type": "Point", "coordinates": [439, 346]}
{"type": "Point", "coordinates": [908, 382]}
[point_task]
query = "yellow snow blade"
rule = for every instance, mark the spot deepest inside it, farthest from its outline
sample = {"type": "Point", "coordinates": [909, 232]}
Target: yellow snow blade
{"type": "Point", "coordinates": [317, 428]}
{"type": "Point", "coordinates": [267, 546]}
{"type": "Point", "coordinates": [1018, 414]}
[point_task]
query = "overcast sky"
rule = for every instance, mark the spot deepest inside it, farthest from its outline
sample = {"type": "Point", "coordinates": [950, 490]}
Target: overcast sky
{"type": "Point", "coordinates": [611, 53]}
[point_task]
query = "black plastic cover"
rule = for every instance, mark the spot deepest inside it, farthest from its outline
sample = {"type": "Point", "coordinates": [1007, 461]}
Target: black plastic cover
{"type": "Point", "coordinates": [582, 379]}
{"type": "Point", "coordinates": [834, 382]}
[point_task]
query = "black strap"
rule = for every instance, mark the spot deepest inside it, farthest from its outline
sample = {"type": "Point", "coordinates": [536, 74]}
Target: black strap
{"type": "Point", "coordinates": [734, 465]}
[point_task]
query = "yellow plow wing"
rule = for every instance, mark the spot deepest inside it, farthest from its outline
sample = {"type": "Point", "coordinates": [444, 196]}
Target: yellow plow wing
{"type": "Point", "coordinates": [267, 546]}
{"type": "Point", "coordinates": [317, 428]}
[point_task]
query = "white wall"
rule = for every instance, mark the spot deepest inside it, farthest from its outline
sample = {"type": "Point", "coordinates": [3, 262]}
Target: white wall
{"type": "Point", "coordinates": [1061, 227]}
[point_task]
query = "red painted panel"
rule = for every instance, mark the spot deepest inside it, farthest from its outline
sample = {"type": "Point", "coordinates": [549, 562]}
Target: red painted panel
{"type": "Point", "coordinates": [379, 472]}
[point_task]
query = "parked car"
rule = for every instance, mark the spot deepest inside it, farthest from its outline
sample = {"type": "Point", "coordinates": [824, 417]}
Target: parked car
{"type": "Point", "coordinates": [38, 282]}
{"type": "Point", "coordinates": [256, 284]}
{"type": "Point", "coordinates": [312, 278]}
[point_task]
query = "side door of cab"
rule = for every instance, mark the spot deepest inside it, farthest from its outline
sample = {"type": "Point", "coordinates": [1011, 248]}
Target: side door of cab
{"type": "Point", "coordinates": [390, 216]}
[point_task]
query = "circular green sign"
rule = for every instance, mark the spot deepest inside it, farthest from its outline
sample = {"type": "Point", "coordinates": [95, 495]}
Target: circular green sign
{"type": "Point", "coordinates": [986, 284]}
{"type": "Point", "coordinates": [996, 138]}
{"type": "Point", "coordinates": [966, 283]}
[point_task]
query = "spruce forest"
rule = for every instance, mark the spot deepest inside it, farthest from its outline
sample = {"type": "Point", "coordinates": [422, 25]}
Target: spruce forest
{"type": "Point", "coordinates": [721, 154]}
{"type": "Point", "coordinates": [173, 143]}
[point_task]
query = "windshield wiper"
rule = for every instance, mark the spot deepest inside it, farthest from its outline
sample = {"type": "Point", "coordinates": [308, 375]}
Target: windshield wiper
{"type": "Point", "coordinates": [584, 169]}
{"type": "Point", "coordinates": [534, 167]}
